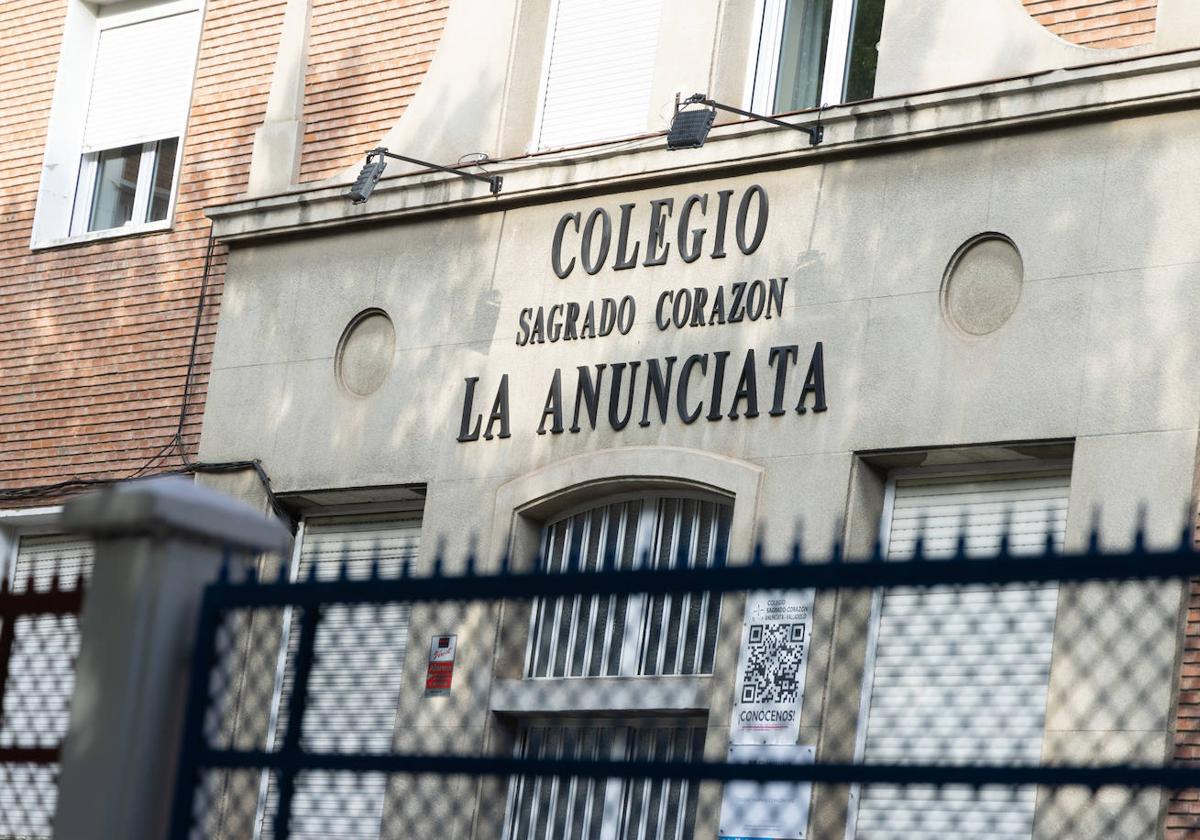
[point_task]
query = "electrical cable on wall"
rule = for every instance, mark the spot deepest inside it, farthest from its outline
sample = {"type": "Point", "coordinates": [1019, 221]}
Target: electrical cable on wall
{"type": "Point", "coordinates": [176, 442]}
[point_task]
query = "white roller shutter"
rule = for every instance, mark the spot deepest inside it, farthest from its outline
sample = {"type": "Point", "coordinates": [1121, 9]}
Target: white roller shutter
{"type": "Point", "coordinates": [599, 71]}
{"type": "Point", "coordinates": [142, 82]}
{"type": "Point", "coordinates": [41, 680]}
{"type": "Point", "coordinates": [354, 684]}
{"type": "Point", "coordinates": [960, 674]}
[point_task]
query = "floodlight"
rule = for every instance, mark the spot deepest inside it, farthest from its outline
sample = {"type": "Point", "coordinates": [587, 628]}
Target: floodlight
{"type": "Point", "coordinates": [372, 171]}
{"type": "Point", "coordinates": [364, 185]}
{"type": "Point", "coordinates": [689, 129]}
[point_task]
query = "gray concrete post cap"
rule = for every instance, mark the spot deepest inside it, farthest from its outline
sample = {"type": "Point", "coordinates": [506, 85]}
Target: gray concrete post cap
{"type": "Point", "coordinates": [173, 506]}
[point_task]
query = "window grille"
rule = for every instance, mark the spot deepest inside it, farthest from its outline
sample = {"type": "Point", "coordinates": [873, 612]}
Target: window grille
{"type": "Point", "coordinates": [630, 635]}
{"type": "Point", "coordinates": [550, 808]}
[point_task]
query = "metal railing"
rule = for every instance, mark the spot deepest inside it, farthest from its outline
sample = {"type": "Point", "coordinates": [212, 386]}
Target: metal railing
{"type": "Point", "coordinates": [249, 737]}
{"type": "Point", "coordinates": [39, 640]}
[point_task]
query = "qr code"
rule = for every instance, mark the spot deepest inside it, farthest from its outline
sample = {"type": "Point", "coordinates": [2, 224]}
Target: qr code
{"type": "Point", "coordinates": [775, 653]}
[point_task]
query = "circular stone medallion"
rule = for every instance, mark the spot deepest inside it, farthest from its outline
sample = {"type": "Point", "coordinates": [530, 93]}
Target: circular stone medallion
{"type": "Point", "coordinates": [982, 284]}
{"type": "Point", "coordinates": [365, 352]}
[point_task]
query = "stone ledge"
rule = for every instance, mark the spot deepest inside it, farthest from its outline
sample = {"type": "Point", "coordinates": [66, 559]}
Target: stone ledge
{"type": "Point", "coordinates": [1106, 90]}
{"type": "Point", "coordinates": [601, 694]}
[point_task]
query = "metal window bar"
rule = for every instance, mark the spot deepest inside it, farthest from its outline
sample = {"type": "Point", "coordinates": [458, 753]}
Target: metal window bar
{"type": "Point", "coordinates": [835, 572]}
{"type": "Point", "coordinates": [585, 636]}
{"type": "Point", "coordinates": [555, 808]}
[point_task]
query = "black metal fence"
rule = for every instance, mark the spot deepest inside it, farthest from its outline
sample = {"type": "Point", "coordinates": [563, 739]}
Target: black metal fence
{"type": "Point", "coordinates": [39, 640]}
{"type": "Point", "coordinates": [1018, 695]}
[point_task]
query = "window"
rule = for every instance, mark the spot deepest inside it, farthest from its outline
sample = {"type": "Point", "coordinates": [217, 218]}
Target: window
{"type": "Point", "coordinates": [41, 675]}
{"type": "Point", "coordinates": [599, 71]}
{"type": "Point", "coordinates": [940, 656]}
{"type": "Point", "coordinates": [113, 149]}
{"type": "Point", "coordinates": [630, 635]}
{"type": "Point", "coordinates": [814, 52]}
{"type": "Point", "coordinates": [548, 808]}
{"type": "Point", "coordinates": [354, 685]}
{"type": "Point", "coordinates": [132, 185]}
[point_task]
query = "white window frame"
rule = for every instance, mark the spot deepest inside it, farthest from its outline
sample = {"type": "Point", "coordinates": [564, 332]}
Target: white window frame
{"type": "Point", "coordinates": [763, 72]}
{"type": "Point", "coordinates": [23, 522]}
{"type": "Point", "coordinates": [63, 211]}
{"type": "Point", "coordinates": [885, 533]}
{"type": "Point", "coordinates": [535, 141]}
{"type": "Point", "coordinates": [86, 191]}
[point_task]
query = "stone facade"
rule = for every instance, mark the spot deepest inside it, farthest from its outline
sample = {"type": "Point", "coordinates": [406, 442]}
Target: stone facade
{"type": "Point", "coordinates": [1057, 179]}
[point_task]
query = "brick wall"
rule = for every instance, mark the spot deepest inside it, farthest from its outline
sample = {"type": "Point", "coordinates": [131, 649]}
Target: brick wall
{"type": "Point", "coordinates": [1183, 813]}
{"type": "Point", "coordinates": [1101, 24]}
{"type": "Point", "coordinates": [366, 59]}
{"type": "Point", "coordinates": [95, 338]}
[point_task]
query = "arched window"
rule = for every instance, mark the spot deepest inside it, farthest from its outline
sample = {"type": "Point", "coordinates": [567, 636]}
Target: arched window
{"type": "Point", "coordinates": [630, 635]}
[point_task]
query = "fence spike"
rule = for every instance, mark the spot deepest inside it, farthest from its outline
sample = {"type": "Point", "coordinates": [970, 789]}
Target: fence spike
{"type": "Point", "coordinates": [757, 558]}
{"type": "Point", "coordinates": [836, 551]}
{"type": "Point", "coordinates": [251, 573]}
{"type": "Point", "coordinates": [1094, 534]}
{"type": "Point", "coordinates": [960, 537]}
{"type": "Point", "coordinates": [1187, 540]}
{"type": "Point", "coordinates": [1006, 532]}
{"type": "Point", "coordinates": [223, 572]}
{"type": "Point", "coordinates": [376, 554]}
{"type": "Point", "coordinates": [919, 544]}
{"type": "Point", "coordinates": [1139, 535]}
{"type": "Point", "coordinates": [606, 558]}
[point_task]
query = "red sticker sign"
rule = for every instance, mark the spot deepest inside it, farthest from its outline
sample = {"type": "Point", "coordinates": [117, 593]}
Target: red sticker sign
{"type": "Point", "coordinates": [440, 672]}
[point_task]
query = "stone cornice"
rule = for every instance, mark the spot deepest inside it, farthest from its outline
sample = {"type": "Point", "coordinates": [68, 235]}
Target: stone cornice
{"type": "Point", "coordinates": [1101, 91]}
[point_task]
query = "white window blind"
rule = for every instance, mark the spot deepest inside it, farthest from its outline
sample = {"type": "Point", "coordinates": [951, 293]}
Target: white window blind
{"type": "Point", "coordinates": [41, 680]}
{"type": "Point", "coordinates": [599, 71]}
{"type": "Point", "coordinates": [142, 82]}
{"type": "Point", "coordinates": [960, 674]}
{"type": "Point", "coordinates": [630, 634]}
{"type": "Point", "coordinates": [547, 808]}
{"type": "Point", "coordinates": [354, 684]}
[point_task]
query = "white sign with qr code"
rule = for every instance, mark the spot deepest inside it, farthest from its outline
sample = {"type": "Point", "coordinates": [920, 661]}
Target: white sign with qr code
{"type": "Point", "coordinates": [770, 676]}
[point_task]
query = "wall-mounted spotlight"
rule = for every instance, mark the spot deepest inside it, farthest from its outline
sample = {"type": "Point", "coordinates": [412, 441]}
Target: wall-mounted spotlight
{"type": "Point", "coordinates": [689, 129]}
{"type": "Point", "coordinates": [372, 171]}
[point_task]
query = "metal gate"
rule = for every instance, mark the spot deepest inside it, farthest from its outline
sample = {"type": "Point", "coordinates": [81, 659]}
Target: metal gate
{"type": "Point", "coordinates": [1119, 615]}
{"type": "Point", "coordinates": [39, 640]}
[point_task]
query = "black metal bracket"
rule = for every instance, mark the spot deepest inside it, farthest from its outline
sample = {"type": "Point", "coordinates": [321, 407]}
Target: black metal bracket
{"type": "Point", "coordinates": [494, 182]}
{"type": "Point", "coordinates": [816, 133]}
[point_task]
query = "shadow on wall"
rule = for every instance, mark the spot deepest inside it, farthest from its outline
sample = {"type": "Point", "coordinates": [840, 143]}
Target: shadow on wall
{"type": "Point", "coordinates": [365, 64]}
{"type": "Point", "coordinates": [929, 45]}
